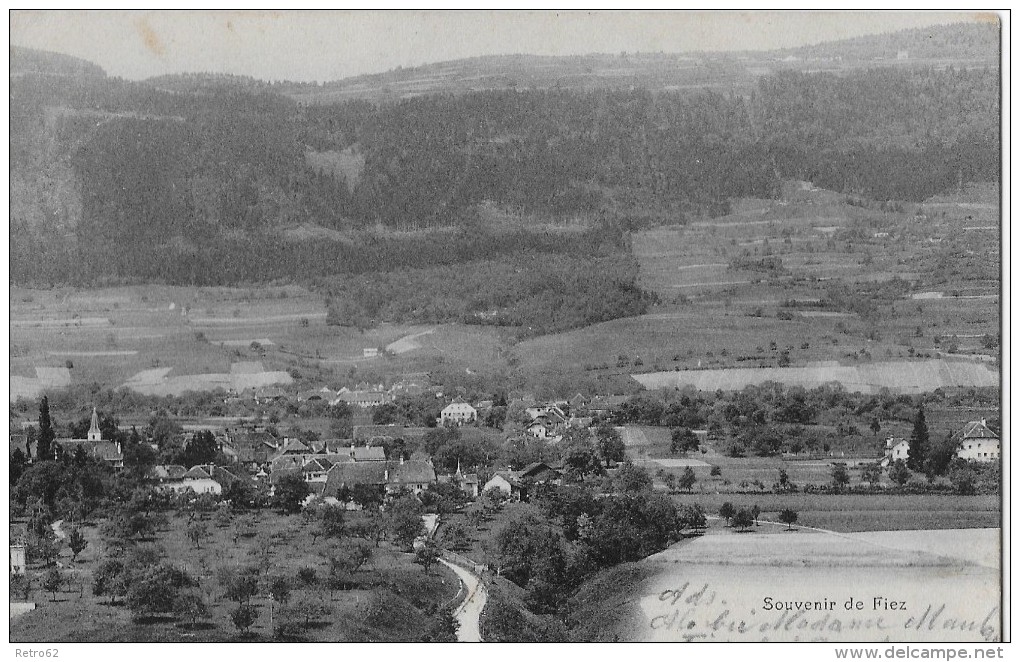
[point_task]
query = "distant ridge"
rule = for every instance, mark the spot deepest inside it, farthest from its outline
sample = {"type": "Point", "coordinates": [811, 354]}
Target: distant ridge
{"type": "Point", "coordinates": [32, 61]}
{"type": "Point", "coordinates": [962, 44]}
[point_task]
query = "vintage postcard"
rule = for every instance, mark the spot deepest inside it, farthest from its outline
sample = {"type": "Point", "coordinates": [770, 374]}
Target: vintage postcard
{"type": "Point", "coordinates": [515, 326]}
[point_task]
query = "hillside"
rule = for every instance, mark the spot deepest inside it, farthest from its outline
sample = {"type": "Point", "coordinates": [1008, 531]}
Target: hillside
{"type": "Point", "coordinates": [195, 179]}
{"type": "Point", "coordinates": [964, 44]}
{"type": "Point", "coordinates": [32, 61]}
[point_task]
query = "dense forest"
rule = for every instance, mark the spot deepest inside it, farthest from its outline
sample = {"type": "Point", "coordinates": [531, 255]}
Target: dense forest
{"type": "Point", "coordinates": [117, 181]}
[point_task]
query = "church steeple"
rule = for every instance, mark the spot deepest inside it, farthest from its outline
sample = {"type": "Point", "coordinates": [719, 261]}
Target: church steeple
{"type": "Point", "coordinates": [94, 433]}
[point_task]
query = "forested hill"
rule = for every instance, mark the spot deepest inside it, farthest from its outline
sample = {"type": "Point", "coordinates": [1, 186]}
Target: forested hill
{"type": "Point", "coordinates": [215, 180]}
{"type": "Point", "coordinates": [962, 44]}
{"type": "Point", "coordinates": [32, 61]}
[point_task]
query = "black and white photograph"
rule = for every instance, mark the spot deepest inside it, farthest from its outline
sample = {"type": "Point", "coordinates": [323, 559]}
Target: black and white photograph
{"type": "Point", "coordinates": [518, 326]}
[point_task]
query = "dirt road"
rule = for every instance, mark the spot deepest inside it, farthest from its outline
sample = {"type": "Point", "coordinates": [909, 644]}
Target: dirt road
{"type": "Point", "coordinates": [470, 610]}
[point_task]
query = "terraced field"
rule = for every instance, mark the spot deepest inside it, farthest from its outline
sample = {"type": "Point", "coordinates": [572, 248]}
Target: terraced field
{"type": "Point", "coordinates": [899, 376]}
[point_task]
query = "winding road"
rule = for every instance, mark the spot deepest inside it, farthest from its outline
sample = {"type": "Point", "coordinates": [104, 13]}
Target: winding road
{"type": "Point", "coordinates": [470, 610]}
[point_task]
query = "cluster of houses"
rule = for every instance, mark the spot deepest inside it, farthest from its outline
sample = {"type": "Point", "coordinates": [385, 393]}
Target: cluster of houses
{"type": "Point", "coordinates": [336, 467]}
{"type": "Point", "coordinates": [364, 394]}
{"type": "Point", "coordinates": [977, 442]}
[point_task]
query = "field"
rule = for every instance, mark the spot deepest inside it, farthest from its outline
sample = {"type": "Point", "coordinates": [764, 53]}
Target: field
{"type": "Point", "coordinates": [165, 340]}
{"type": "Point", "coordinates": [725, 586]}
{"type": "Point", "coordinates": [866, 512]}
{"type": "Point", "coordinates": [723, 307]}
{"type": "Point", "coordinates": [384, 606]}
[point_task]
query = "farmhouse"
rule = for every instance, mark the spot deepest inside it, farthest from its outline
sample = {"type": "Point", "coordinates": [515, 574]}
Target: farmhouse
{"type": "Point", "coordinates": [979, 443]}
{"type": "Point", "coordinates": [413, 475]}
{"type": "Point", "coordinates": [507, 483]}
{"type": "Point", "coordinates": [457, 413]}
{"type": "Point", "coordinates": [895, 449]}
{"type": "Point", "coordinates": [199, 479]}
{"type": "Point", "coordinates": [362, 398]}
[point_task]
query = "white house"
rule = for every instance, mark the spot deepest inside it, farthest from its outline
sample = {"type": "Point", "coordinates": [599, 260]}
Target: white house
{"type": "Point", "coordinates": [895, 449]}
{"type": "Point", "coordinates": [979, 443]}
{"type": "Point", "coordinates": [458, 413]}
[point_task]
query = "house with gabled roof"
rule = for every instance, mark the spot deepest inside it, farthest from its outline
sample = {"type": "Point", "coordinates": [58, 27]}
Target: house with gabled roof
{"type": "Point", "coordinates": [411, 475]}
{"type": "Point", "coordinates": [387, 476]}
{"type": "Point", "coordinates": [198, 478]}
{"type": "Point", "coordinates": [979, 443]}
{"type": "Point", "coordinates": [457, 413]}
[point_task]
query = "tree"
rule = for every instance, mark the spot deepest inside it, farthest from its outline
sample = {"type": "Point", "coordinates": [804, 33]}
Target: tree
{"type": "Point", "coordinates": [783, 484]}
{"type": "Point", "coordinates": [441, 627]}
{"type": "Point", "coordinates": [201, 449]}
{"type": "Point", "coordinates": [243, 617]}
{"type": "Point", "coordinates": [632, 479]}
{"type": "Point", "coordinates": [963, 477]}
{"type": "Point", "coordinates": [493, 499]}
{"type": "Point", "coordinates": [110, 579]}
{"type": "Point", "coordinates": [43, 547]}
{"type": "Point", "coordinates": [427, 554]}
{"type": "Point", "coordinates": [345, 559]}
{"type": "Point", "coordinates": [726, 511]}
{"type": "Point", "coordinates": [279, 589]}
{"type": "Point", "coordinates": [743, 519]}
{"type": "Point", "coordinates": [840, 476]}
{"type": "Point", "coordinates": [239, 584]}
{"type": "Point", "coordinates": [308, 607]}
{"type": "Point", "coordinates": [871, 473]}
{"type": "Point", "coordinates": [610, 444]}
{"type": "Point", "coordinates": [367, 496]}
{"type": "Point", "coordinates": [76, 542]}
{"type": "Point", "coordinates": [940, 456]}
{"type": "Point", "coordinates": [189, 604]}
{"type": "Point", "coordinates": [331, 521]}
{"type": "Point", "coordinates": [52, 582]}
{"type": "Point", "coordinates": [455, 536]}
{"type": "Point", "coordinates": [17, 467]}
{"type": "Point", "coordinates": [289, 493]}
{"type": "Point", "coordinates": [691, 516]}
{"type": "Point", "coordinates": [196, 532]}
{"type": "Point", "coordinates": [683, 440]}
{"type": "Point", "coordinates": [788, 517]}
{"type": "Point", "coordinates": [153, 589]}
{"type": "Point", "coordinates": [385, 414]}
{"type": "Point", "coordinates": [876, 426]}
{"type": "Point", "coordinates": [370, 526]}
{"type": "Point", "coordinates": [46, 435]}
{"type": "Point", "coordinates": [43, 480]}
{"type": "Point", "coordinates": [687, 480]}
{"type": "Point", "coordinates": [307, 576]}
{"type": "Point", "coordinates": [899, 473]}
{"type": "Point", "coordinates": [918, 444]}
{"type": "Point", "coordinates": [405, 524]}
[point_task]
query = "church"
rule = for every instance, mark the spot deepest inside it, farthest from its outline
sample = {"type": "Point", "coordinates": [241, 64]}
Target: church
{"type": "Point", "coordinates": [109, 452]}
